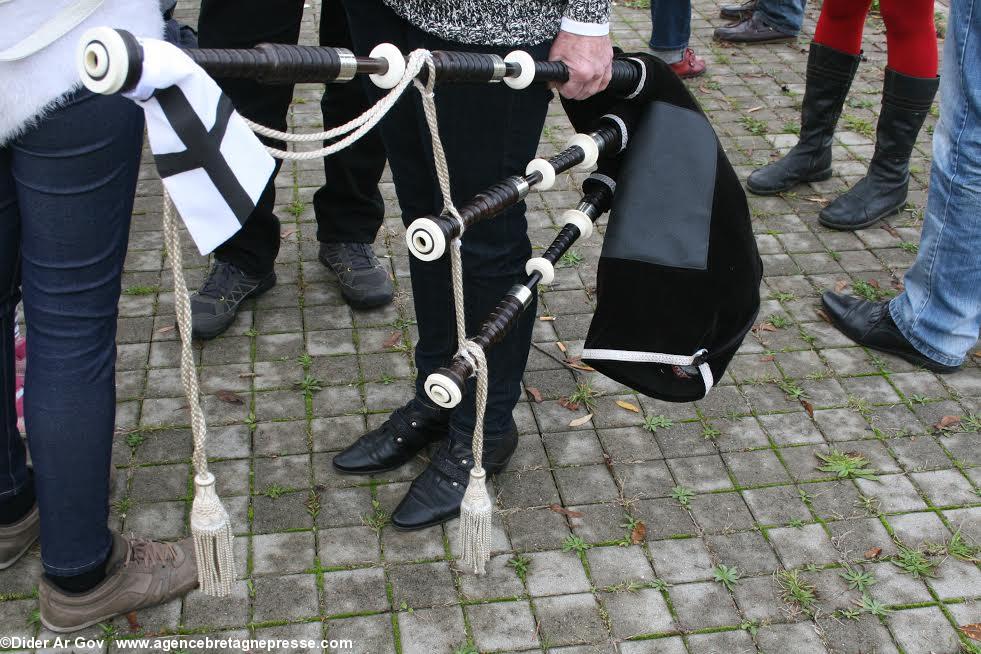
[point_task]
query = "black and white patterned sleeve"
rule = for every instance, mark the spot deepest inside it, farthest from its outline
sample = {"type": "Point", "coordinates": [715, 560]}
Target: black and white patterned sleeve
{"type": "Point", "coordinates": [588, 17]}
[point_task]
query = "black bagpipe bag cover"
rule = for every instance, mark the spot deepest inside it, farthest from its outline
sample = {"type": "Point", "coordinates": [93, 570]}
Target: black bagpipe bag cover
{"type": "Point", "coordinates": [679, 269]}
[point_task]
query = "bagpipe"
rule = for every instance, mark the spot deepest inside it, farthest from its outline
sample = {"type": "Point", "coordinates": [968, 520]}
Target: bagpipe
{"type": "Point", "coordinates": [678, 280]}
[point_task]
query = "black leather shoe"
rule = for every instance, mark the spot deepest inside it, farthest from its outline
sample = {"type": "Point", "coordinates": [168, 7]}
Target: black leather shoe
{"type": "Point", "coordinates": [741, 11]}
{"type": "Point", "coordinates": [882, 192]}
{"type": "Point", "coordinates": [752, 30]}
{"type": "Point", "coordinates": [870, 324]}
{"type": "Point", "coordinates": [829, 76]}
{"type": "Point", "coordinates": [436, 494]}
{"type": "Point", "coordinates": [406, 432]}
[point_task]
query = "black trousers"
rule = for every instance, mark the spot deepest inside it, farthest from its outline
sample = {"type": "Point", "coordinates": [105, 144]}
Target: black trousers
{"type": "Point", "coordinates": [349, 207]}
{"type": "Point", "coordinates": [489, 132]}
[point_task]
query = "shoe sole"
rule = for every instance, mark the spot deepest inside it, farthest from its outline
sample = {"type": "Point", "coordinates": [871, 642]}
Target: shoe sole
{"type": "Point", "coordinates": [362, 473]}
{"type": "Point", "coordinates": [822, 176]}
{"type": "Point", "coordinates": [781, 39]}
{"type": "Point", "coordinates": [68, 630]}
{"type": "Point", "coordinates": [906, 356]}
{"type": "Point", "coordinates": [355, 303]}
{"type": "Point", "coordinates": [737, 17]}
{"type": "Point", "coordinates": [215, 333]}
{"type": "Point", "coordinates": [693, 75]}
{"type": "Point", "coordinates": [6, 564]}
{"type": "Point", "coordinates": [850, 227]}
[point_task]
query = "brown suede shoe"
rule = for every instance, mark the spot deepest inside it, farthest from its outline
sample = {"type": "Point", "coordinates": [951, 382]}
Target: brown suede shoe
{"type": "Point", "coordinates": [140, 573]}
{"type": "Point", "coordinates": [17, 538]}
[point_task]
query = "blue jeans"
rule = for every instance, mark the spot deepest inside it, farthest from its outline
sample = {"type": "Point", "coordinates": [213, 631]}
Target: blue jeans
{"type": "Point", "coordinates": [66, 196]}
{"type": "Point", "coordinates": [670, 28]}
{"type": "Point", "coordinates": [784, 15]}
{"type": "Point", "coordinates": [940, 310]}
{"type": "Point", "coordinates": [488, 132]}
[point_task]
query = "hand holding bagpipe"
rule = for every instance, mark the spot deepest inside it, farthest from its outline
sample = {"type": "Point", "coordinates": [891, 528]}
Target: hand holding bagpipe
{"type": "Point", "coordinates": [112, 57]}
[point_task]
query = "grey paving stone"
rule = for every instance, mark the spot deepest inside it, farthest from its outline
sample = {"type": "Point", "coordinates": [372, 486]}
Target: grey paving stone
{"type": "Point", "coordinates": [894, 492]}
{"type": "Point", "coordinates": [503, 626]}
{"type": "Point", "coordinates": [701, 473]}
{"type": "Point", "coordinates": [852, 538]}
{"type": "Point", "coordinates": [702, 605]}
{"type": "Point", "coordinates": [945, 487]}
{"type": "Point", "coordinates": [423, 584]}
{"type": "Point", "coordinates": [500, 581]}
{"type": "Point", "coordinates": [916, 529]}
{"type": "Point", "coordinates": [893, 586]}
{"type": "Point", "coordinates": [966, 521]}
{"type": "Point", "coordinates": [746, 550]}
{"type": "Point", "coordinates": [923, 630]}
{"type": "Point", "coordinates": [799, 637]}
{"type": "Point", "coordinates": [791, 429]}
{"type": "Point", "coordinates": [308, 631]}
{"type": "Point", "coordinates": [861, 635]}
{"type": "Point", "coordinates": [536, 529]}
{"type": "Point", "coordinates": [730, 642]}
{"type": "Point", "coordinates": [370, 633]}
{"type": "Point", "coordinates": [658, 646]}
{"type": "Point", "coordinates": [916, 453]}
{"type": "Point", "coordinates": [431, 630]}
{"type": "Point", "coordinates": [609, 566]}
{"type": "Point", "coordinates": [683, 560]}
{"type": "Point", "coordinates": [347, 546]}
{"type": "Point", "coordinates": [285, 598]}
{"type": "Point", "coordinates": [356, 591]}
{"type": "Point", "coordinates": [644, 479]}
{"type": "Point", "coordinates": [776, 505]}
{"type": "Point", "coordinates": [759, 598]}
{"type": "Point", "coordinates": [835, 500]}
{"type": "Point", "coordinates": [955, 578]}
{"type": "Point", "coordinates": [756, 468]}
{"type": "Point", "coordinates": [801, 546]}
{"type": "Point", "coordinates": [569, 620]}
{"type": "Point", "coordinates": [552, 573]}
{"type": "Point", "coordinates": [598, 523]}
{"type": "Point", "coordinates": [282, 553]}
{"type": "Point", "coordinates": [528, 488]}
{"type": "Point", "coordinates": [635, 613]}
{"type": "Point", "coordinates": [721, 512]}
{"type": "Point", "coordinates": [585, 484]}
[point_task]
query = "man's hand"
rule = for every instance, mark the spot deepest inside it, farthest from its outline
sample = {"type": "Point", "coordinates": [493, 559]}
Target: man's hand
{"type": "Point", "coordinates": [590, 62]}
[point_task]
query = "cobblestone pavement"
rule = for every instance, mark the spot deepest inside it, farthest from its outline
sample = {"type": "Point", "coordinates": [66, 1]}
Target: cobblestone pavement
{"type": "Point", "coordinates": [848, 565]}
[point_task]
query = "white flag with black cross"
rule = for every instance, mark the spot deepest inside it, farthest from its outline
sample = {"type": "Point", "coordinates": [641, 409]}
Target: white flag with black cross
{"type": "Point", "coordinates": [210, 162]}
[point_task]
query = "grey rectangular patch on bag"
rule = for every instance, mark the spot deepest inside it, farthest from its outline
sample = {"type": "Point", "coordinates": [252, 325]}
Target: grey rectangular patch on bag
{"type": "Point", "coordinates": [662, 212]}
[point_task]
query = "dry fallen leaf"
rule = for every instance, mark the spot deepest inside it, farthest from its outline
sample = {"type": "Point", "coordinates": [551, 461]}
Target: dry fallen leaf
{"type": "Point", "coordinates": [754, 109]}
{"type": "Point", "coordinates": [898, 285]}
{"type": "Point", "coordinates": [764, 327]}
{"type": "Point", "coordinates": [628, 406]}
{"type": "Point", "coordinates": [818, 199]}
{"type": "Point", "coordinates": [534, 393]}
{"type": "Point", "coordinates": [558, 508]}
{"type": "Point", "coordinates": [576, 362]}
{"type": "Point", "coordinates": [134, 624]}
{"type": "Point", "coordinates": [166, 329]}
{"type": "Point", "coordinates": [568, 404]}
{"type": "Point", "coordinates": [289, 232]}
{"type": "Point", "coordinates": [976, 355]}
{"type": "Point", "coordinates": [873, 553]}
{"type": "Point", "coordinates": [840, 285]}
{"type": "Point", "coordinates": [874, 283]}
{"type": "Point", "coordinates": [972, 631]}
{"type": "Point", "coordinates": [579, 422]}
{"type": "Point", "coordinates": [767, 357]}
{"type": "Point", "coordinates": [393, 339]}
{"type": "Point", "coordinates": [639, 533]}
{"type": "Point", "coordinates": [808, 407]}
{"type": "Point", "coordinates": [248, 375]}
{"type": "Point", "coordinates": [229, 397]}
{"type": "Point", "coordinates": [823, 316]}
{"type": "Point", "coordinates": [892, 230]}
{"type": "Point", "coordinates": [947, 422]}
{"type": "Point", "coordinates": [546, 318]}
{"type": "Point", "coordinates": [562, 348]}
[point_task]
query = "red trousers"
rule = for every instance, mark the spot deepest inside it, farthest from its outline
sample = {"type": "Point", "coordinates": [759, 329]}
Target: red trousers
{"type": "Point", "coordinates": [911, 36]}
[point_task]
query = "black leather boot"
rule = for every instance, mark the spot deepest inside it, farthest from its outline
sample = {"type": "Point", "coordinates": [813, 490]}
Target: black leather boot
{"type": "Point", "coordinates": [436, 494]}
{"type": "Point", "coordinates": [905, 104]}
{"type": "Point", "coordinates": [407, 431]}
{"type": "Point", "coordinates": [870, 324]}
{"type": "Point", "coordinates": [829, 76]}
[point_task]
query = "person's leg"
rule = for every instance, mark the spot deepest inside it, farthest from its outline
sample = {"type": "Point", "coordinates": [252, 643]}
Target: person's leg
{"type": "Point", "coordinates": [15, 483]}
{"type": "Point", "coordinates": [786, 16]}
{"type": "Point", "coordinates": [907, 95]}
{"type": "Point", "coordinates": [349, 207]}
{"type": "Point", "coordinates": [75, 194]}
{"type": "Point", "coordinates": [670, 29]}
{"type": "Point", "coordinates": [940, 310]}
{"type": "Point", "coordinates": [244, 263]}
{"type": "Point", "coordinates": [841, 23]}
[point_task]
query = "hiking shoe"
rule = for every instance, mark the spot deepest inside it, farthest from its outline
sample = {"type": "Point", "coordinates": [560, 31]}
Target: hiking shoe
{"type": "Point", "coordinates": [214, 305]}
{"type": "Point", "coordinates": [17, 538]}
{"type": "Point", "coordinates": [365, 283]}
{"type": "Point", "coordinates": [139, 573]}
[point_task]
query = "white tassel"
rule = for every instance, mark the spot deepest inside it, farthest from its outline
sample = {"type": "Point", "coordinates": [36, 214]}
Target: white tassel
{"type": "Point", "coordinates": [213, 539]}
{"type": "Point", "coordinates": [475, 522]}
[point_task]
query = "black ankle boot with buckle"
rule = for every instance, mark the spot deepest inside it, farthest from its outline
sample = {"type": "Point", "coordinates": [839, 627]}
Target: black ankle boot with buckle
{"type": "Point", "coordinates": [393, 444]}
{"type": "Point", "coordinates": [436, 494]}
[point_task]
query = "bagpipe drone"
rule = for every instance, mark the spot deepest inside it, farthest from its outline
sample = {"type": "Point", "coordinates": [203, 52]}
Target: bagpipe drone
{"type": "Point", "coordinates": [678, 279]}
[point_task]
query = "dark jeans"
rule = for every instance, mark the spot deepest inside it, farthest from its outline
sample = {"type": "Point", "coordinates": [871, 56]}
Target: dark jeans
{"type": "Point", "coordinates": [66, 197]}
{"type": "Point", "coordinates": [489, 131]}
{"type": "Point", "coordinates": [349, 207]}
{"type": "Point", "coordinates": [670, 24]}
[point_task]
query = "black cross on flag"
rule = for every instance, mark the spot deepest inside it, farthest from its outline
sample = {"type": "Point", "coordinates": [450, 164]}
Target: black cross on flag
{"type": "Point", "coordinates": [210, 162]}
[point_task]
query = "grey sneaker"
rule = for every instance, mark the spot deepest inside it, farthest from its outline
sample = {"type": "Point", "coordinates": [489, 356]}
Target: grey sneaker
{"type": "Point", "coordinates": [140, 573]}
{"type": "Point", "coordinates": [365, 283]}
{"type": "Point", "coordinates": [214, 305]}
{"type": "Point", "coordinates": [17, 538]}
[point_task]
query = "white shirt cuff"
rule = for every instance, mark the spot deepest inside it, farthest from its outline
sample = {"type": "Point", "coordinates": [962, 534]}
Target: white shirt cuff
{"type": "Point", "coordinates": [584, 29]}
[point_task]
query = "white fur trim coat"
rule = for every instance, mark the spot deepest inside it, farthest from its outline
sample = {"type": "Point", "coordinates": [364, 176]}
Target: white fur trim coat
{"type": "Point", "coordinates": [31, 87]}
